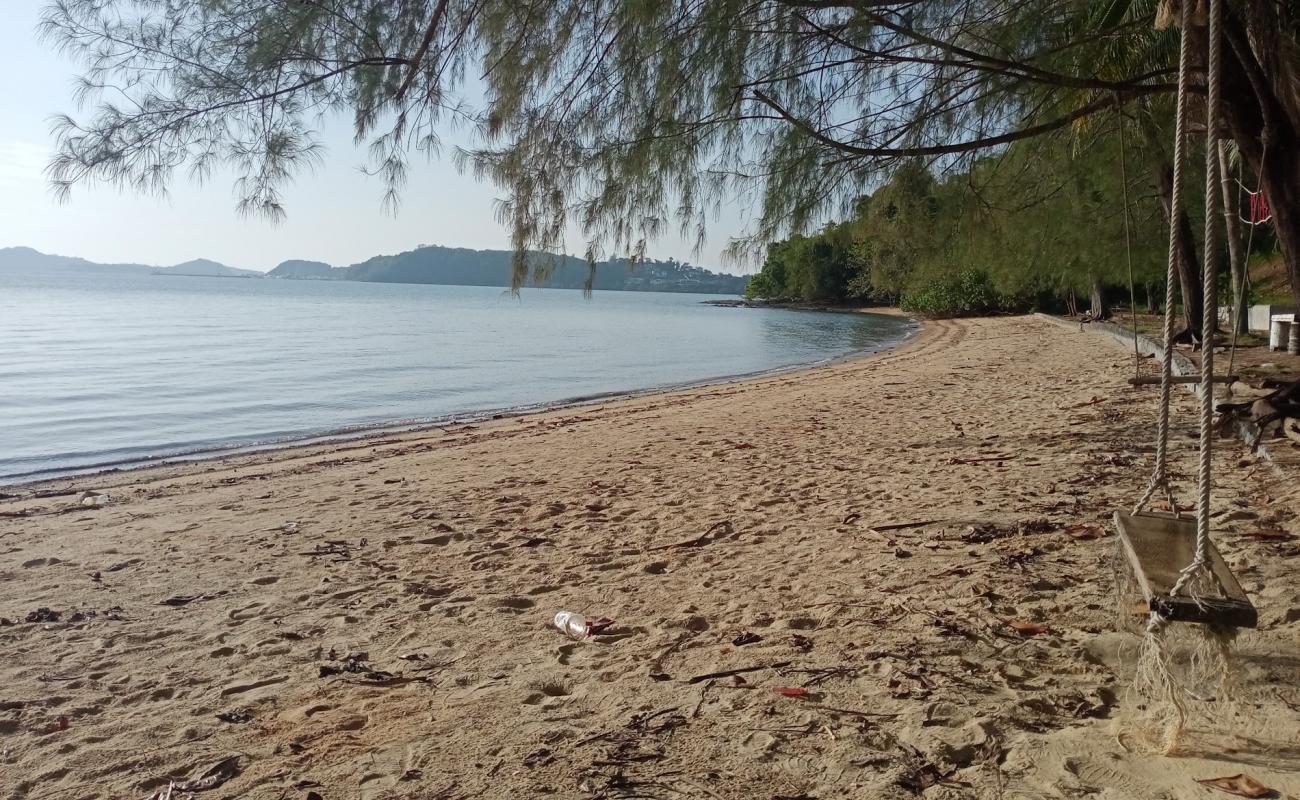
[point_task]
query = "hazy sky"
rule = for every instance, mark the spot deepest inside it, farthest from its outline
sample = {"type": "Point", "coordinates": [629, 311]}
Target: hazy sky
{"type": "Point", "coordinates": [334, 213]}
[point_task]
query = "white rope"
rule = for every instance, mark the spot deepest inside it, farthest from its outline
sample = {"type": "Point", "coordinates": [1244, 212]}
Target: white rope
{"type": "Point", "coordinates": [1209, 306]}
{"type": "Point", "coordinates": [1160, 474]}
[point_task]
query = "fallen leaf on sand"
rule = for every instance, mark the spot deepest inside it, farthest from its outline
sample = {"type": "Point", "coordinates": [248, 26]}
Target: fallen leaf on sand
{"type": "Point", "coordinates": [1085, 532]}
{"type": "Point", "coordinates": [790, 691]}
{"type": "Point", "coordinates": [1241, 785]}
{"type": "Point", "coordinates": [1026, 628]}
{"type": "Point", "coordinates": [1269, 535]}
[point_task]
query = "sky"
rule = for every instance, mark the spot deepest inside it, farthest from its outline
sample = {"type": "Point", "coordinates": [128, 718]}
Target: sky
{"type": "Point", "coordinates": [334, 213]}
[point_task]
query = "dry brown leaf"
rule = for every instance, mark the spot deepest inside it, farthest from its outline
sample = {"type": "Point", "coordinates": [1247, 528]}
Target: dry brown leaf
{"type": "Point", "coordinates": [1269, 535]}
{"type": "Point", "coordinates": [1241, 785]}
{"type": "Point", "coordinates": [1084, 533]}
{"type": "Point", "coordinates": [1026, 628]}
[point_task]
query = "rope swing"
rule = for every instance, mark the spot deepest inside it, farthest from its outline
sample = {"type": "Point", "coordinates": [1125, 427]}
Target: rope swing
{"type": "Point", "coordinates": [1179, 572]}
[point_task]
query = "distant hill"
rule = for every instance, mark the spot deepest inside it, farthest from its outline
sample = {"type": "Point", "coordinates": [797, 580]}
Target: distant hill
{"type": "Point", "coordinates": [458, 266]}
{"type": "Point", "coordinates": [202, 267]}
{"type": "Point", "coordinates": [306, 270]}
{"type": "Point", "coordinates": [455, 266]}
{"type": "Point", "coordinates": [28, 259]}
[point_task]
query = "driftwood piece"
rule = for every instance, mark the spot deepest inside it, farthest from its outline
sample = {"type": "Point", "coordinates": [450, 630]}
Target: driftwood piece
{"type": "Point", "coordinates": [898, 526]}
{"type": "Point", "coordinates": [719, 530]}
{"type": "Point", "coordinates": [1280, 404]}
{"type": "Point", "coordinates": [727, 673]}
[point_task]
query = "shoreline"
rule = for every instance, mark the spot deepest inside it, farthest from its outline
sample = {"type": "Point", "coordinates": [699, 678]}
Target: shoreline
{"type": "Point", "coordinates": [840, 581]}
{"type": "Point", "coordinates": [37, 480]}
{"type": "Point", "coordinates": [791, 305]}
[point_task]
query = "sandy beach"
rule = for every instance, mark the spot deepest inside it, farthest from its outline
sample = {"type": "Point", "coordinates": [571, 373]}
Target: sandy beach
{"type": "Point", "coordinates": [880, 578]}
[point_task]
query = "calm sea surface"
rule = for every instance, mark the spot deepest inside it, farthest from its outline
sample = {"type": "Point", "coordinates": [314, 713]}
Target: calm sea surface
{"type": "Point", "coordinates": [99, 371]}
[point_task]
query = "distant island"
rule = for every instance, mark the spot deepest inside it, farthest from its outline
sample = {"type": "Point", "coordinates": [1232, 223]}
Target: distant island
{"type": "Point", "coordinates": [453, 266]}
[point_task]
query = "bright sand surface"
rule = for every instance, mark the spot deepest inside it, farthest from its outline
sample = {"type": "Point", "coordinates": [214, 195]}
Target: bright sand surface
{"type": "Point", "coordinates": [691, 517]}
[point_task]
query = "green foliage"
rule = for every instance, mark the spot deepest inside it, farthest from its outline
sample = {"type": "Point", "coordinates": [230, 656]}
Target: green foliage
{"type": "Point", "coordinates": [1040, 221]}
{"type": "Point", "coordinates": [968, 293]}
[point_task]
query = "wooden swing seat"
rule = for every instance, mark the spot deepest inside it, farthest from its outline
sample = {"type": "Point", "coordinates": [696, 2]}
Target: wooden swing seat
{"type": "Point", "coordinates": [1158, 546]}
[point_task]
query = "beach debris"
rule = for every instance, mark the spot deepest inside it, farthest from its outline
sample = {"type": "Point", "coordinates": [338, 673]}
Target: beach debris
{"type": "Point", "coordinates": [595, 627]}
{"type": "Point", "coordinates": [42, 614]}
{"type": "Point", "coordinates": [356, 664]}
{"type": "Point", "coordinates": [331, 548]}
{"type": "Point", "coordinates": [1084, 532]}
{"type": "Point", "coordinates": [1034, 525]}
{"type": "Point", "coordinates": [918, 773]}
{"type": "Point", "coordinates": [651, 722]}
{"type": "Point", "coordinates": [412, 775]}
{"type": "Point", "coordinates": [539, 757]}
{"type": "Point", "coordinates": [716, 532]}
{"type": "Point", "coordinates": [1026, 629]}
{"type": "Point", "coordinates": [576, 626]}
{"type": "Point", "coordinates": [121, 565]}
{"type": "Point", "coordinates": [179, 600]}
{"type": "Point", "coordinates": [790, 691]}
{"type": "Point", "coordinates": [656, 671]}
{"type": "Point", "coordinates": [289, 527]}
{"type": "Point", "coordinates": [235, 717]}
{"type": "Point", "coordinates": [745, 638]}
{"type": "Point", "coordinates": [213, 777]}
{"type": "Point", "coordinates": [801, 643]}
{"type": "Point", "coordinates": [1241, 785]}
{"type": "Point", "coordinates": [571, 624]}
{"type": "Point", "coordinates": [898, 526]}
{"type": "Point", "coordinates": [851, 518]}
{"type": "Point", "coordinates": [727, 673]}
{"type": "Point", "coordinates": [93, 500]}
{"type": "Point", "coordinates": [901, 553]}
{"type": "Point", "coordinates": [1269, 535]}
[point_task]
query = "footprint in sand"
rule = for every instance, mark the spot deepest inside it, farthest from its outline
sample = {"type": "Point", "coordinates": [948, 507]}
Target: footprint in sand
{"type": "Point", "coordinates": [241, 688]}
{"type": "Point", "coordinates": [246, 613]}
{"type": "Point", "coordinates": [517, 604]}
{"type": "Point", "coordinates": [547, 693]}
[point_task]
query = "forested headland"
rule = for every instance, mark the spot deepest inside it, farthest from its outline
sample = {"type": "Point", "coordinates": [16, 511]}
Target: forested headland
{"type": "Point", "coordinates": [1038, 227]}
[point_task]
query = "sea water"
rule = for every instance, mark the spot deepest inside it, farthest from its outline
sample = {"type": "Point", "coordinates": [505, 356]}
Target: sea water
{"type": "Point", "coordinates": [104, 370]}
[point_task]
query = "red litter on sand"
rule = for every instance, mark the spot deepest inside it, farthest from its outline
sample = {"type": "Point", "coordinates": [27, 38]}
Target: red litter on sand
{"type": "Point", "coordinates": [595, 626]}
{"type": "Point", "coordinates": [790, 691]}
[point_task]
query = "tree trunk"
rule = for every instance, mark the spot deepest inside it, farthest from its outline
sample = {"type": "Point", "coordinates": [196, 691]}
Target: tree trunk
{"type": "Point", "coordinates": [1236, 246]}
{"type": "Point", "coordinates": [1153, 301]}
{"type": "Point", "coordinates": [1097, 306]}
{"type": "Point", "coordinates": [1189, 272]}
{"type": "Point", "coordinates": [1254, 113]}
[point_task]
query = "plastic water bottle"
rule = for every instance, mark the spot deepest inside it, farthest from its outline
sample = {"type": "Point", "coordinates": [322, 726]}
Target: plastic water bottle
{"type": "Point", "coordinates": [571, 624]}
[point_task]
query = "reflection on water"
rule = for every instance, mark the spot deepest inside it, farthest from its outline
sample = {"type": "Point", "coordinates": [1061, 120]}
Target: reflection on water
{"type": "Point", "coordinates": [112, 370]}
